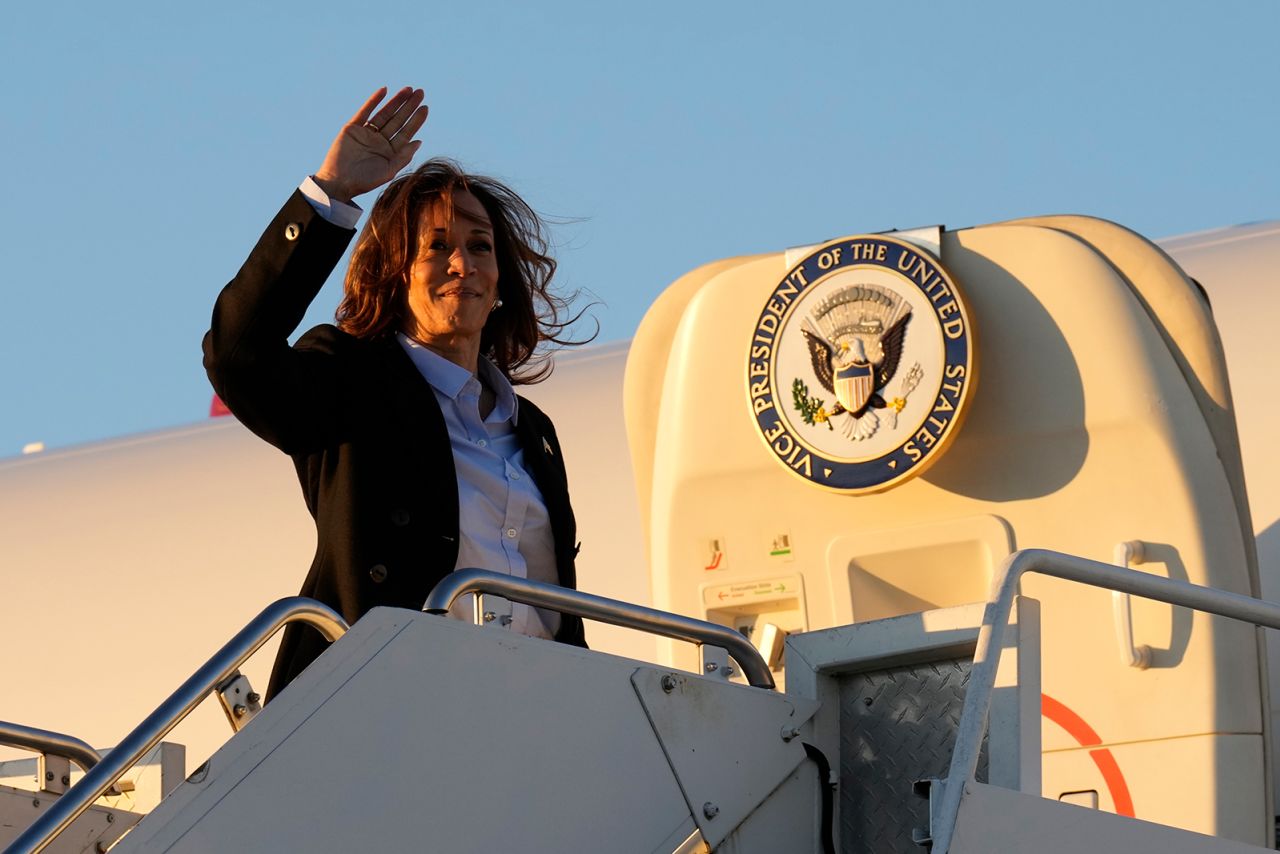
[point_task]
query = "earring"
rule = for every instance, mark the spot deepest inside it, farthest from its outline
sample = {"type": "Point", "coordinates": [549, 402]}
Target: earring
{"type": "Point", "coordinates": [497, 304]}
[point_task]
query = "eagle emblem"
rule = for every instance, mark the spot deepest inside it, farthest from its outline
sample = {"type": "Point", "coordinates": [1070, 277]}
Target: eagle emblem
{"type": "Point", "coordinates": [855, 339]}
{"type": "Point", "coordinates": [875, 390]}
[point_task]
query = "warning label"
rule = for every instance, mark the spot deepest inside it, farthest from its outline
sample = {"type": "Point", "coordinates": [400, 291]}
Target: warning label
{"type": "Point", "coordinates": [773, 588]}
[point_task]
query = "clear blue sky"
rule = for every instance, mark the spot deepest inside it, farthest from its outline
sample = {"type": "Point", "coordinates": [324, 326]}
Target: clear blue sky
{"type": "Point", "coordinates": [148, 144]}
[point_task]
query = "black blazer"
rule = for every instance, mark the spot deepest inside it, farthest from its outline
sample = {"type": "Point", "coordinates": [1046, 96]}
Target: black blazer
{"type": "Point", "coordinates": [365, 432]}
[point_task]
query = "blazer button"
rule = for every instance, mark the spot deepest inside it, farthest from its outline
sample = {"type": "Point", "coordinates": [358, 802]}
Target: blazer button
{"type": "Point", "coordinates": [400, 518]}
{"type": "Point", "coordinates": [292, 231]}
{"type": "Point", "coordinates": [378, 573]}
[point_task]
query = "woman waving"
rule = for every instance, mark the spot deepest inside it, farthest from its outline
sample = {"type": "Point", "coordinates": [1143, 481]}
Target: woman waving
{"type": "Point", "coordinates": [415, 455]}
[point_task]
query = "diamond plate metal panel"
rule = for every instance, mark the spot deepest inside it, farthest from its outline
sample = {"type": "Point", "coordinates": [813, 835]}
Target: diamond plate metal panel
{"type": "Point", "coordinates": [723, 741]}
{"type": "Point", "coordinates": [897, 726]}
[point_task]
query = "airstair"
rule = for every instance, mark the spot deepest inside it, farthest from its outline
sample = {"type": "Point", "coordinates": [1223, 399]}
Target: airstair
{"type": "Point", "coordinates": [414, 732]}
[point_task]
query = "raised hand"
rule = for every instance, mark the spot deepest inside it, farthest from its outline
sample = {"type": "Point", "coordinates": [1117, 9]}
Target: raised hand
{"type": "Point", "coordinates": [371, 148]}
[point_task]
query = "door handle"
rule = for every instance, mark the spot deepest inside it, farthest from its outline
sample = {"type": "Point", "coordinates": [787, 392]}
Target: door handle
{"type": "Point", "coordinates": [1128, 554]}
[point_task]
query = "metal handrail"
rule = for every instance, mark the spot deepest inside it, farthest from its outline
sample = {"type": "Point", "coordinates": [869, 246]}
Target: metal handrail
{"type": "Point", "coordinates": [96, 781]}
{"type": "Point", "coordinates": [49, 743]}
{"type": "Point", "coordinates": [603, 610]}
{"type": "Point", "coordinates": [977, 699]}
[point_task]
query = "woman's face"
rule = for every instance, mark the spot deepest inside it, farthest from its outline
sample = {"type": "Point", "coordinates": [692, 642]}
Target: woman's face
{"type": "Point", "coordinates": [453, 282]}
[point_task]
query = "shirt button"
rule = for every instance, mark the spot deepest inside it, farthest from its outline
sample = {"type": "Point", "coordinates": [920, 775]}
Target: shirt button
{"type": "Point", "coordinates": [482, 443]}
{"type": "Point", "coordinates": [378, 573]}
{"type": "Point", "coordinates": [511, 533]}
{"type": "Point", "coordinates": [515, 475]}
{"type": "Point", "coordinates": [400, 518]}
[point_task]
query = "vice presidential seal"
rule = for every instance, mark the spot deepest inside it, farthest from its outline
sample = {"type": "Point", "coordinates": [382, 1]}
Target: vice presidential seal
{"type": "Point", "coordinates": [861, 364]}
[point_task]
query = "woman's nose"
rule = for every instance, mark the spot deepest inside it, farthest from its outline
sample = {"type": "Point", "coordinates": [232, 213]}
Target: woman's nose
{"type": "Point", "coordinates": [460, 263]}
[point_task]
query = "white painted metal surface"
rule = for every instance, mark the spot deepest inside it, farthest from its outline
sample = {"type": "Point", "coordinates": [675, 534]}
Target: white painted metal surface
{"type": "Point", "coordinates": [1101, 414]}
{"type": "Point", "coordinates": [990, 646]}
{"type": "Point", "coordinates": [729, 746]}
{"type": "Point", "coordinates": [1237, 267]}
{"type": "Point", "coordinates": [417, 731]}
{"type": "Point", "coordinates": [217, 671]}
{"type": "Point", "coordinates": [996, 819]}
{"type": "Point", "coordinates": [100, 825]}
{"type": "Point", "coordinates": [150, 780]}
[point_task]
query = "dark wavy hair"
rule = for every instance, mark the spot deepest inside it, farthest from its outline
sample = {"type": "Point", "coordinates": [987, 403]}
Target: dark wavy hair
{"type": "Point", "coordinates": [375, 292]}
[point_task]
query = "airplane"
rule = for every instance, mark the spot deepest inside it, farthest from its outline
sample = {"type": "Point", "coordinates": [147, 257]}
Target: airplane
{"type": "Point", "coordinates": [129, 561]}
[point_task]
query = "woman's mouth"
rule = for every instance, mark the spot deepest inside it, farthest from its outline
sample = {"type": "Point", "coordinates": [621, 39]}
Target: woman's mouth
{"type": "Point", "coordinates": [459, 293]}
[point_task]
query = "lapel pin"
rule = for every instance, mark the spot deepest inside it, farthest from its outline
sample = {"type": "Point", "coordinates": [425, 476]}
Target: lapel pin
{"type": "Point", "coordinates": [547, 446]}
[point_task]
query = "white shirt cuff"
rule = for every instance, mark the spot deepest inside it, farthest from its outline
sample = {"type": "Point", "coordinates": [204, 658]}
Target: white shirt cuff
{"type": "Point", "coordinates": [341, 214]}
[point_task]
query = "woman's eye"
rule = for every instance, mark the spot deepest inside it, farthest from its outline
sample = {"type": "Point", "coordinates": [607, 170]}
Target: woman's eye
{"type": "Point", "coordinates": [438, 246]}
{"type": "Point", "coordinates": [481, 246]}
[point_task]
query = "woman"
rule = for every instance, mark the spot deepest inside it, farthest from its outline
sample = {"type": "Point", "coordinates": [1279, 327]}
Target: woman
{"type": "Point", "coordinates": [414, 453]}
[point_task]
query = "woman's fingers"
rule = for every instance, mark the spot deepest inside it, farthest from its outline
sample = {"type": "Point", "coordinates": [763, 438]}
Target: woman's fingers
{"type": "Point", "coordinates": [403, 116]}
{"type": "Point", "coordinates": [411, 126]}
{"type": "Point", "coordinates": [396, 111]}
{"type": "Point", "coordinates": [362, 114]}
{"type": "Point", "coordinates": [403, 155]}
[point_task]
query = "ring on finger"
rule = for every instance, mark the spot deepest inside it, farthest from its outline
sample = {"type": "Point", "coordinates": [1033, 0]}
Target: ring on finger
{"type": "Point", "coordinates": [371, 126]}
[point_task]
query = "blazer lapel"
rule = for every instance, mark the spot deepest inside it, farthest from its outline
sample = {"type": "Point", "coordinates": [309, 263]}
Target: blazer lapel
{"type": "Point", "coordinates": [417, 416]}
{"type": "Point", "coordinates": [539, 457]}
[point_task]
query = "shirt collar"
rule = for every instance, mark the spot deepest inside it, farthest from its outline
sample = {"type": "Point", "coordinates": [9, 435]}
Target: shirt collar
{"type": "Point", "coordinates": [450, 378]}
{"type": "Point", "coordinates": [506, 406]}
